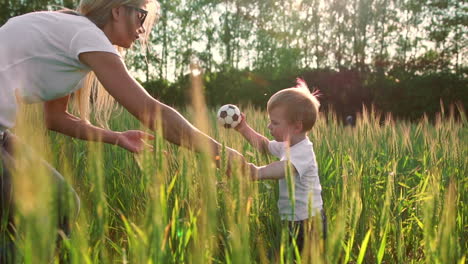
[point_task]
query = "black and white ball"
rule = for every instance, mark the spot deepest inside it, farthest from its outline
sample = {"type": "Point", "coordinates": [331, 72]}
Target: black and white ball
{"type": "Point", "coordinates": [229, 116]}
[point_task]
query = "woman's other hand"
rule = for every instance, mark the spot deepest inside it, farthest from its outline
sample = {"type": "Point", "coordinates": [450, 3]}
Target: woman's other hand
{"type": "Point", "coordinates": [134, 140]}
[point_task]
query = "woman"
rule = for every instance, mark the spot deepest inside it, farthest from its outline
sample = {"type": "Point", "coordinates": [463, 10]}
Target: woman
{"type": "Point", "coordinates": [64, 53]}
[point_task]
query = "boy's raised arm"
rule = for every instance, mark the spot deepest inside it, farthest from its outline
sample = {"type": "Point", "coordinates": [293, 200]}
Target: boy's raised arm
{"type": "Point", "coordinates": [255, 139]}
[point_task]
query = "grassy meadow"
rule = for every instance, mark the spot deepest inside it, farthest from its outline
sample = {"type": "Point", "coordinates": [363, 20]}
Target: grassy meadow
{"type": "Point", "coordinates": [394, 192]}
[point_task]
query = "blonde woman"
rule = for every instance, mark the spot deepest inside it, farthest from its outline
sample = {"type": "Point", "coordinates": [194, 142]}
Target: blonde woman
{"type": "Point", "coordinates": [47, 56]}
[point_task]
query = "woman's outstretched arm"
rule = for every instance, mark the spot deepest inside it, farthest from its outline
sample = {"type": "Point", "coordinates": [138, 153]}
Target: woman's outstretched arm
{"type": "Point", "coordinates": [114, 76]}
{"type": "Point", "coordinates": [58, 119]}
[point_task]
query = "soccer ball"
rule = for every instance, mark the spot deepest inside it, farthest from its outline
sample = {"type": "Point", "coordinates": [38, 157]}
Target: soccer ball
{"type": "Point", "coordinates": [229, 116]}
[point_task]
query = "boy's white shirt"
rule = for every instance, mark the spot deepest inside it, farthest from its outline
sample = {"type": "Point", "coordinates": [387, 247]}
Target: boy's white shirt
{"type": "Point", "coordinates": [307, 188]}
{"type": "Point", "coordinates": [39, 58]}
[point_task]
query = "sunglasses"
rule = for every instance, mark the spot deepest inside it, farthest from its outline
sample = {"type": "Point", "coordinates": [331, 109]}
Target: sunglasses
{"type": "Point", "coordinates": [141, 13]}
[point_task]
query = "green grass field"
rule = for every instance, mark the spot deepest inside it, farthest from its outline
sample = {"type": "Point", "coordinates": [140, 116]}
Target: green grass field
{"type": "Point", "coordinates": [394, 192]}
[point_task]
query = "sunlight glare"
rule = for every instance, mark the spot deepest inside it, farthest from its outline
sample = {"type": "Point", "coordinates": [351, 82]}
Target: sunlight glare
{"type": "Point", "coordinates": [196, 72]}
{"type": "Point", "coordinates": [297, 4]}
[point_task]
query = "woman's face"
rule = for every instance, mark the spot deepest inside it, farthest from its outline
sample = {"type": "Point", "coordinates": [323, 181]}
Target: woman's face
{"type": "Point", "coordinates": [131, 24]}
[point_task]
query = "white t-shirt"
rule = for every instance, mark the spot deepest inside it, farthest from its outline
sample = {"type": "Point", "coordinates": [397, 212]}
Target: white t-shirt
{"type": "Point", "coordinates": [39, 58]}
{"type": "Point", "coordinates": [307, 188]}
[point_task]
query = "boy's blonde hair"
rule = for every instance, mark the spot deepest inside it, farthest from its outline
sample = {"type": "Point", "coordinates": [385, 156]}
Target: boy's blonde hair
{"type": "Point", "coordinates": [99, 12]}
{"type": "Point", "coordinates": [299, 104]}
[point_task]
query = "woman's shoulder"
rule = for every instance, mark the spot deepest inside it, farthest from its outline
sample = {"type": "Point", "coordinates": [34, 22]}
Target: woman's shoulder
{"type": "Point", "coordinates": [54, 31]}
{"type": "Point", "coordinates": [46, 18]}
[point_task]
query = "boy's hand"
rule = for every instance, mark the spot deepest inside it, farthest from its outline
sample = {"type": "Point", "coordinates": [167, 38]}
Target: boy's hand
{"type": "Point", "coordinates": [134, 140]}
{"type": "Point", "coordinates": [256, 139]}
{"type": "Point", "coordinates": [242, 124]}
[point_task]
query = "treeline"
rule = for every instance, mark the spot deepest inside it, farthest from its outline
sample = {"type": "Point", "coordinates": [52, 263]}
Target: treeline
{"type": "Point", "coordinates": [402, 56]}
{"type": "Point", "coordinates": [344, 92]}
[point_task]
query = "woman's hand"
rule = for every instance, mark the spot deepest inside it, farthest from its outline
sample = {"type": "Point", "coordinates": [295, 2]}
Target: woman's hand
{"type": "Point", "coordinates": [234, 158]}
{"type": "Point", "coordinates": [254, 172]}
{"type": "Point", "coordinates": [134, 140]}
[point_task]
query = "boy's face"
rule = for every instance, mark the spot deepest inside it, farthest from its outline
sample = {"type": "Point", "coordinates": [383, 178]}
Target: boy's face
{"type": "Point", "coordinates": [281, 128]}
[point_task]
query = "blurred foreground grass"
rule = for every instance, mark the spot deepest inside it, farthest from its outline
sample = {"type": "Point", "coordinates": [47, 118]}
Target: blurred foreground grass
{"type": "Point", "coordinates": [394, 192]}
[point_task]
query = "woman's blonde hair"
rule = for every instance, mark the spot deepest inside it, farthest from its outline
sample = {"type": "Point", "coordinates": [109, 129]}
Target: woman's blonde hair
{"type": "Point", "coordinates": [92, 94]}
{"type": "Point", "coordinates": [299, 104]}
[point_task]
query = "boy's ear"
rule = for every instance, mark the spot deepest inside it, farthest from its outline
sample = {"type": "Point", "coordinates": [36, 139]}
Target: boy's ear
{"type": "Point", "coordinates": [298, 126]}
